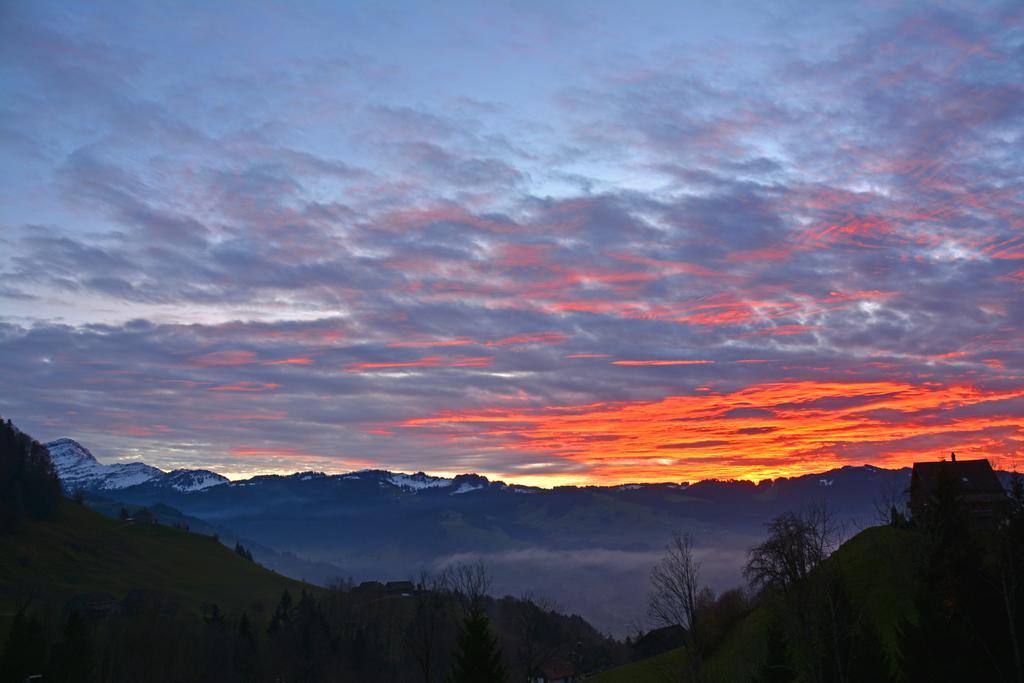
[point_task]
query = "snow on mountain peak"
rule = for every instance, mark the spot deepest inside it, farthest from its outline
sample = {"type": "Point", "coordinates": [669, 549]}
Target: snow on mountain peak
{"type": "Point", "coordinates": [68, 451]}
{"type": "Point", "coordinates": [192, 480]}
{"type": "Point", "coordinates": [418, 481]}
{"type": "Point", "coordinates": [78, 469]}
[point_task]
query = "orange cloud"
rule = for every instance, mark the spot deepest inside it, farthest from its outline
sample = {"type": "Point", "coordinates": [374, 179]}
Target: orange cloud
{"type": "Point", "coordinates": [290, 361]}
{"type": "Point", "coordinates": [765, 430]}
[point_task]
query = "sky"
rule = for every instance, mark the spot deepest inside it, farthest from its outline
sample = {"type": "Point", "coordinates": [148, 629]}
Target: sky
{"type": "Point", "coordinates": [553, 243]}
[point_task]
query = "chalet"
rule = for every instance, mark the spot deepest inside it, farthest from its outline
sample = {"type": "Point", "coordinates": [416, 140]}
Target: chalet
{"type": "Point", "coordinates": [143, 516]}
{"type": "Point", "coordinates": [976, 485]}
{"type": "Point", "coordinates": [556, 672]}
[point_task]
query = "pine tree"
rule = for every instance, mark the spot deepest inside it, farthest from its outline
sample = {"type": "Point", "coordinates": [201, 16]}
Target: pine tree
{"type": "Point", "coordinates": [28, 483]}
{"type": "Point", "coordinates": [478, 657]}
{"type": "Point", "coordinates": [25, 651]}
{"type": "Point", "coordinates": [73, 658]}
{"type": "Point", "coordinates": [283, 613]}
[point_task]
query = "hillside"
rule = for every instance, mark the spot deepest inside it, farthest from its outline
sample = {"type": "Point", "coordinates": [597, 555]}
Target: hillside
{"type": "Point", "coordinates": [875, 569]}
{"type": "Point", "coordinates": [82, 551]}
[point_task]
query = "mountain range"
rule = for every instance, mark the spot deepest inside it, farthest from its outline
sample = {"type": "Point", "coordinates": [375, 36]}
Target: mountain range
{"type": "Point", "coordinates": [79, 470]}
{"type": "Point", "coordinates": [592, 546]}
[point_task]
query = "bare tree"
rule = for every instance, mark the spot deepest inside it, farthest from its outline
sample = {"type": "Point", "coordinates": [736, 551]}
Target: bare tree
{"type": "Point", "coordinates": [469, 582]}
{"type": "Point", "coordinates": [891, 504]}
{"type": "Point", "coordinates": [796, 544]}
{"type": "Point", "coordinates": [427, 630]}
{"type": "Point", "coordinates": [531, 628]}
{"type": "Point", "coordinates": [676, 595]}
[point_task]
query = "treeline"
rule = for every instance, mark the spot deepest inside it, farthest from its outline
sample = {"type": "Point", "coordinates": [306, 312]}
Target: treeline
{"type": "Point", "coordinates": [447, 630]}
{"type": "Point", "coordinates": [29, 486]}
{"type": "Point", "coordinates": [812, 623]}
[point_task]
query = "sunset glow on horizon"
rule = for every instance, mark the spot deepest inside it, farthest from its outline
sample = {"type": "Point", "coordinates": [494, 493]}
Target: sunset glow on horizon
{"type": "Point", "coordinates": [552, 243]}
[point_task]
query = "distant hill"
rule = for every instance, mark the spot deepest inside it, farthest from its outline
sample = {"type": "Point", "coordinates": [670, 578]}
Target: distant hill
{"type": "Point", "coordinates": [80, 551]}
{"type": "Point", "coordinates": [317, 572]}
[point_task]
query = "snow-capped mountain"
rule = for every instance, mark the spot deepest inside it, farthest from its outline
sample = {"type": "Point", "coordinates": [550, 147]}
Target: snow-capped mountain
{"type": "Point", "coordinates": [79, 470]}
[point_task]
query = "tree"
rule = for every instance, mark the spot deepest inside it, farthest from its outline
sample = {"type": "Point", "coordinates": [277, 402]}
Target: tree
{"type": "Point", "coordinates": [532, 630]}
{"type": "Point", "coordinates": [73, 659]}
{"type": "Point", "coordinates": [283, 614]}
{"type": "Point", "coordinates": [477, 656]}
{"type": "Point", "coordinates": [1009, 570]}
{"type": "Point", "coordinates": [28, 483]}
{"type": "Point", "coordinates": [25, 651]}
{"type": "Point", "coordinates": [796, 544]}
{"type": "Point", "coordinates": [469, 582]}
{"type": "Point", "coordinates": [243, 552]}
{"type": "Point", "coordinates": [959, 631]}
{"type": "Point", "coordinates": [676, 595]}
{"type": "Point", "coordinates": [431, 616]}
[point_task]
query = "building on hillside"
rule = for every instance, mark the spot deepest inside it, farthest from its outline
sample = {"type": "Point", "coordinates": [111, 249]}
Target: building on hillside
{"type": "Point", "coordinates": [976, 485]}
{"type": "Point", "coordinates": [143, 516]}
{"type": "Point", "coordinates": [556, 672]}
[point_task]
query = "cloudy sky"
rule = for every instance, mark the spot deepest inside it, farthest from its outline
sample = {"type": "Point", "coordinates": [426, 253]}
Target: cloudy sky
{"type": "Point", "coordinates": [548, 242]}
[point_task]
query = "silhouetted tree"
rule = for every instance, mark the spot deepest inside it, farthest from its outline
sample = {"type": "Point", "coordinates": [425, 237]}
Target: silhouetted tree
{"type": "Point", "coordinates": [478, 656]}
{"type": "Point", "coordinates": [282, 614]}
{"type": "Point", "coordinates": [28, 483]}
{"type": "Point", "coordinates": [25, 650]}
{"type": "Point", "coordinates": [957, 632]}
{"type": "Point", "coordinates": [676, 598]}
{"type": "Point", "coordinates": [212, 614]}
{"type": "Point", "coordinates": [73, 660]}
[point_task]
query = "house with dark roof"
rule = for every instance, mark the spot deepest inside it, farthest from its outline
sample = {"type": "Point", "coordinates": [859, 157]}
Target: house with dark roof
{"type": "Point", "coordinates": [974, 482]}
{"type": "Point", "coordinates": [143, 516]}
{"type": "Point", "coordinates": [562, 671]}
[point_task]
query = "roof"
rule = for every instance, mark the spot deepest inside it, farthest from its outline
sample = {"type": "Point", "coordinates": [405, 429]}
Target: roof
{"type": "Point", "coordinates": [557, 670]}
{"type": "Point", "coordinates": [971, 476]}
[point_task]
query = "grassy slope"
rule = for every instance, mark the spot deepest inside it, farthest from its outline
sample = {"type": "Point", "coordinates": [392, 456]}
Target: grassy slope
{"type": "Point", "coordinates": [875, 565]}
{"type": "Point", "coordinates": [82, 551]}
